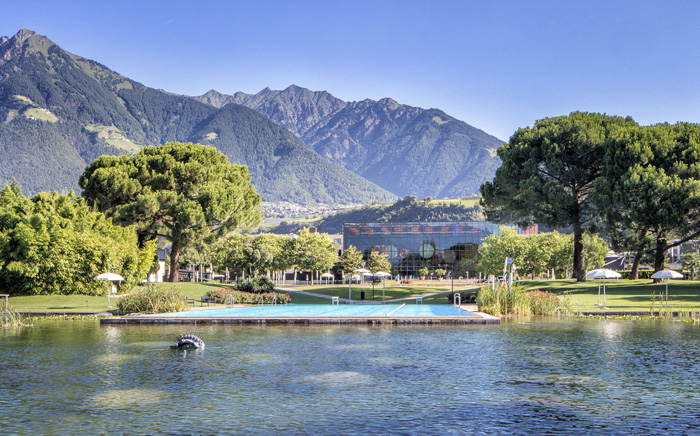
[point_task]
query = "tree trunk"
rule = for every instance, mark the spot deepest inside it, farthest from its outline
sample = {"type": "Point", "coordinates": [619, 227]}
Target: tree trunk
{"type": "Point", "coordinates": [175, 262]}
{"type": "Point", "coordinates": [634, 273]}
{"type": "Point", "coordinates": [659, 256]}
{"type": "Point", "coordinates": [579, 254]}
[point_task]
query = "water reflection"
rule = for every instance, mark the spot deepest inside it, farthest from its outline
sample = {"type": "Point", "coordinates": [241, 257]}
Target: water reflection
{"type": "Point", "coordinates": [584, 376]}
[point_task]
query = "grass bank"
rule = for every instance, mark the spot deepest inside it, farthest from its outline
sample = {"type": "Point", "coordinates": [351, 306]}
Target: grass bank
{"type": "Point", "coordinates": [623, 295]}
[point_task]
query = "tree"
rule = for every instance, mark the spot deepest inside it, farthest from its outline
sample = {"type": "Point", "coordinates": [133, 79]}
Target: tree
{"type": "Point", "coordinates": [692, 262]}
{"type": "Point", "coordinates": [181, 192]}
{"type": "Point", "coordinates": [596, 249]}
{"type": "Point", "coordinates": [651, 186]}
{"type": "Point", "coordinates": [56, 244]}
{"type": "Point", "coordinates": [349, 260]}
{"type": "Point", "coordinates": [377, 262]}
{"type": "Point", "coordinates": [314, 252]}
{"type": "Point", "coordinates": [229, 253]}
{"type": "Point", "coordinates": [548, 173]}
{"type": "Point", "coordinates": [496, 248]}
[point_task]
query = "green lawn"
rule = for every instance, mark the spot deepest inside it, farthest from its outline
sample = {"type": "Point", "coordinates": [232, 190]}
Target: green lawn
{"type": "Point", "coordinates": [84, 303]}
{"type": "Point", "coordinates": [624, 295]}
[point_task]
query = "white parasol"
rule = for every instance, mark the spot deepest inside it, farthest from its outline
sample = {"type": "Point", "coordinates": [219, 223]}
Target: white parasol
{"type": "Point", "coordinates": [602, 274]}
{"type": "Point", "coordinates": [667, 274]}
{"type": "Point", "coordinates": [110, 277]}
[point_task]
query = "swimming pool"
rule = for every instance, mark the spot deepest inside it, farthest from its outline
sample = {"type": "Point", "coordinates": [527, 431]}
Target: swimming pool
{"type": "Point", "coordinates": [326, 310]}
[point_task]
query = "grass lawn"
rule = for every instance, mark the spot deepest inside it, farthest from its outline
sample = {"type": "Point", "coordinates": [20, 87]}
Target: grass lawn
{"type": "Point", "coordinates": [624, 295]}
{"type": "Point", "coordinates": [85, 303]}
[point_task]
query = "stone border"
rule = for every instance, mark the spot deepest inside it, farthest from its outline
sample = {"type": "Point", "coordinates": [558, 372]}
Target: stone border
{"type": "Point", "coordinates": [479, 318]}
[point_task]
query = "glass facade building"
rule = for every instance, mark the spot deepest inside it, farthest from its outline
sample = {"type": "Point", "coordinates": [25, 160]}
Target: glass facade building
{"type": "Point", "coordinates": [452, 246]}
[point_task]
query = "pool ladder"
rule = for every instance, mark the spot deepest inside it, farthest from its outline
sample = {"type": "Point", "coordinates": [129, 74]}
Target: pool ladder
{"type": "Point", "coordinates": [274, 300]}
{"type": "Point", "coordinates": [458, 297]}
{"type": "Point", "coordinates": [230, 301]}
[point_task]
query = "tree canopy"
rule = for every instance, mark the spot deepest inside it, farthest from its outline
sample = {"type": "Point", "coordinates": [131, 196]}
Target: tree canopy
{"type": "Point", "coordinates": [181, 192]}
{"type": "Point", "coordinates": [650, 189]}
{"type": "Point", "coordinates": [548, 174]}
{"type": "Point", "coordinates": [56, 244]}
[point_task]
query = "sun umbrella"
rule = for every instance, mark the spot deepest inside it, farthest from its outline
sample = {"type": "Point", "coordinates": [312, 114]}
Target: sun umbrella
{"type": "Point", "coordinates": [602, 274]}
{"type": "Point", "coordinates": [383, 275]}
{"type": "Point", "coordinates": [109, 277]}
{"type": "Point", "coordinates": [667, 274]}
{"type": "Point", "coordinates": [327, 276]}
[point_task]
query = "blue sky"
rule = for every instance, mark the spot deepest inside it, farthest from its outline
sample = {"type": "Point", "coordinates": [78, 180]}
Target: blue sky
{"type": "Point", "coordinates": [497, 65]}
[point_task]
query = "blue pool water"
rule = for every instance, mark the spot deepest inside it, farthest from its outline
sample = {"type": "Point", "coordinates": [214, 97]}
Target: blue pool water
{"type": "Point", "coordinates": [327, 310]}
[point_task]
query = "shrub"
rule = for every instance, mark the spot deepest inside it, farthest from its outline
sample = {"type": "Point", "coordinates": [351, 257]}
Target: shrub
{"type": "Point", "coordinates": [153, 299]}
{"type": "Point", "coordinates": [256, 285]}
{"type": "Point", "coordinates": [239, 297]}
{"type": "Point", "coordinates": [440, 272]}
{"type": "Point", "coordinates": [406, 281]}
{"type": "Point", "coordinates": [423, 272]}
{"type": "Point", "coordinates": [644, 274]}
{"type": "Point", "coordinates": [465, 297]}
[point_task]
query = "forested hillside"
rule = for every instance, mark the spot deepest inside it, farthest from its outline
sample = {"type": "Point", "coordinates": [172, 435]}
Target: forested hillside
{"type": "Point", "coordinates": [408, 209]}
{"type": "Point", "coordinates": [58, 112]}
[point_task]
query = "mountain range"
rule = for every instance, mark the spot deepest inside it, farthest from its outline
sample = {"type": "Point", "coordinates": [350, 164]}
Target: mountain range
{"type": "Point", "coordinates": [404, 149]}
{"type": "Point", "coordinates": [59, 111]}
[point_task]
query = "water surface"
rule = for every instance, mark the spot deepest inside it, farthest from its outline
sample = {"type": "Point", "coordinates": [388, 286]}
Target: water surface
{"type": "Point", "coordinates": [594, 377]}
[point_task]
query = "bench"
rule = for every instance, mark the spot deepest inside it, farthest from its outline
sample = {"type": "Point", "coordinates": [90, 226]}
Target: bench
{"type": "Point", "coordinates": [189, 301]}
{"type": "Point", "coordinates": [207, 300]}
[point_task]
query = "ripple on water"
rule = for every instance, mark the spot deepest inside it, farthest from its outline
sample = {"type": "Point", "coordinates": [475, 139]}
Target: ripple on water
{"type": "Point", "coordinates": [126, 398]}
{"type": "Point", "coordinates": [339, 378]}
{"type": "Point", "coordinates": [263, 358]}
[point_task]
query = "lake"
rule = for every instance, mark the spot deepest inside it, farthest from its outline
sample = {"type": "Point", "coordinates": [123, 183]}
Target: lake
{"type": "Point", "coordinates": [529, 378]}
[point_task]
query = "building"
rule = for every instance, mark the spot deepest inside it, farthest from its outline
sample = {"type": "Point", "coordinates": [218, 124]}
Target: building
{"type": "Point", "coordinates": [452, 246]}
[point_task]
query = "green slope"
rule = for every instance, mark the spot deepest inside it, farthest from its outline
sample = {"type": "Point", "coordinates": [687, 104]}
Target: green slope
{"type": "Point", "coordinates": [59, 111]}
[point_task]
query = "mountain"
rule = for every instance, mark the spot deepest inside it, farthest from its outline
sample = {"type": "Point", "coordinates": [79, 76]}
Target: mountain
{"type": "Point", "coordinates": [59, 111]}
{"type": "Point", "coordinates": [404, 149]}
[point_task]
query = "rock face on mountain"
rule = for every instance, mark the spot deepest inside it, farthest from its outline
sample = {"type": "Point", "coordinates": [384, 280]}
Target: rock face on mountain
{"type": "Point", "coordinates": [59, 111]}
{"type": "Point", "coordinates": [404, 149]}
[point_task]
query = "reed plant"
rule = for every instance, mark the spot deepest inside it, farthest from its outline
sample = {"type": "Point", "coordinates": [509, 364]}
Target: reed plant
{"type": "Point", "coordinates": [514, 300]}
{"type": "Point", "coordinates": [503, 300]}
{"type": "Point", "coordinates": [153, 299]}
{"type": "Point", "coordinates": [9, 317]}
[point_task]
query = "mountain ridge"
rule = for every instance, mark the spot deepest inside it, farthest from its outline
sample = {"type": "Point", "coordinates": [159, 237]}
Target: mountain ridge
{"type": "Point", "coordinates": [405, 149]}
{"type": "Point", "coordinates": [60, 111]}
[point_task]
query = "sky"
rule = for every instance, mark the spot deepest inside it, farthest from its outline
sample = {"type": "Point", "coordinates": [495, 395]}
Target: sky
{"type": "Point", "coordinates": [497, 65]}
